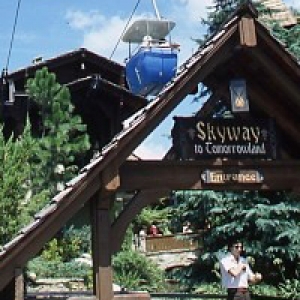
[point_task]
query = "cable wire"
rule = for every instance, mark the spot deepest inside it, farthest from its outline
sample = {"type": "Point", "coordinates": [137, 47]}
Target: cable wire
{"type": "Point", "coordinates": [13, 33]}
{"type": "Point", "coordinates": [125, 28]}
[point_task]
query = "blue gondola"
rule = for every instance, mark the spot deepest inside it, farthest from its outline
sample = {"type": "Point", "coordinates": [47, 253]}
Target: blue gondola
{"type": "Point", "coordinates": [155, 62]}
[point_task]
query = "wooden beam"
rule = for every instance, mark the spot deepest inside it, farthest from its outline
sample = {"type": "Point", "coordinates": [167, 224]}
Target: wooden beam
{"type": "Point", "coordinates": [176, 175]}
{"type": "Point", "coordinates": [278, 49]}
{"type": "Point", "coordinates": [247, 32]}
{"type": "Point", "coordinates": [110, 179]}
{"type": "Point", "coordinates": [20, 285]}
{"type": "Point", "coordinates": [101, 245]}
{"type": "Point", "coordinates": [279, 77]}
{"type": "Point", "coordinates": [130, 211]}
{"type": "Point", "coordinates": [285, 119]}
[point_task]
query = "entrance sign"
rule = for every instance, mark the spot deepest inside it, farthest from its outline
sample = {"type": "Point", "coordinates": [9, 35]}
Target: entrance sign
{"type": "Point", "coordinates": [195, 138]}
{"type": "Point", "coordinates": [222, 177]}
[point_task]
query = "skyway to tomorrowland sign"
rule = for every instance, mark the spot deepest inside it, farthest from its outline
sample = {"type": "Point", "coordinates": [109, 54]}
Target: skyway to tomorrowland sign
{"type": "Point", "coordinates": [195, 138]}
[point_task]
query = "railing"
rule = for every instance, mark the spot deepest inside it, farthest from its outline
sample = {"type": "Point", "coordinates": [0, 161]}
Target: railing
{"type": "Point", "coordinates": [181, 241]}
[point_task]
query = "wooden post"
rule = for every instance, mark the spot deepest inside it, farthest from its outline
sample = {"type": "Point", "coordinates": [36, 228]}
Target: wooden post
{"type": "Point", "coordinates": [8, 293]}
{"type": "Point", "coordinates": [247, 32]}
{"type": "Point", "coordinates": [19, 284]}
{"type": "Point", "coordinates": [101, 243]}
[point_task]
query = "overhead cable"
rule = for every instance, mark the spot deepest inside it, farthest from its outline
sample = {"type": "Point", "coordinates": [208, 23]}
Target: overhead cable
{"type": "Point", "coordinates": [13, 34]}
{"type": "Point", "coordinates": [125, 28]}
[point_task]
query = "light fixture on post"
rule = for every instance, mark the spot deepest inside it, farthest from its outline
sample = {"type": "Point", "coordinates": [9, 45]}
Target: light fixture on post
{"type": "Point", "coordinates": [238, 94]}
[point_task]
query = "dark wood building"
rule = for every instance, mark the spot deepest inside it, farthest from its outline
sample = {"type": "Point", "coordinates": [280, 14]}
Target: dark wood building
{"type": "Point", "coordinates": [98, 90]}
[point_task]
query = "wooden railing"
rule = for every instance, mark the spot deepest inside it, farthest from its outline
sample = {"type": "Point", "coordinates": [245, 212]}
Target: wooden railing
{"type": "Point", "coordinates": [181, 241]}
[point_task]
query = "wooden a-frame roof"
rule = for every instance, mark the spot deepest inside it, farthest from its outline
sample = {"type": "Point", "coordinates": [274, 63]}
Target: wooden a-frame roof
{"type": "Point", "coordinates": [74, 69]}
{"type": "Point", "coordinates": [243, 47]}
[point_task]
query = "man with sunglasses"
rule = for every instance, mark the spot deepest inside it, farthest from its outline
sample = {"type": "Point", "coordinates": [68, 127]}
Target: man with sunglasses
{"type": "Point", "coordinates": [236, 273]}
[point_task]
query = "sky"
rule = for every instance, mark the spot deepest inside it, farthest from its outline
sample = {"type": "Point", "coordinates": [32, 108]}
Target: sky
{"type": "Point", "coordinates": [48, 28]}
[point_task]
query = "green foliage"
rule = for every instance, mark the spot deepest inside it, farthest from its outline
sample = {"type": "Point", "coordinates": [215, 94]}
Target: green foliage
{"type": "Point", "coordinates": [268, 225]}
{"type": "Point", "coordinates": [290, 37]}
{"type": "Point", "coordinates": [57, 258]}
{"type": "Point", "coordinates": [70, 243]}
{"type": "Point", "coordinates": [137, 272]}
{"type": "Point", "coordinates": [290, 289]}
{"type": "Point", "coordinates": [211, 288]}
{"type": "Point", "coordinates": [155, 215]}
{"type": "Point", "coordinates": [128, 240]}
{"type": "Point", "coordinates": [264, 289]}
{"type": "Point", "coordinates": [220, 12]}
{"type": "Point", "coordinates": [63, 135]}
{"type": "Point", "coordinates": [56, 269]}
{"type": "Point", "coordinates": [15, 183]}
{"type": "Point", "coordinates": [30, 175]}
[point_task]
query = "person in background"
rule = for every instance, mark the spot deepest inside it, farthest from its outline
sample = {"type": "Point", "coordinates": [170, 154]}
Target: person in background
{"type": "Point", "coordinates": [153, 230]}
{"type": "Point", "coordinates": [142, 239]}
{"type": "Point", "coordinates": [186, 228]}
{"type": "Point", "coordinates": [236, 273]}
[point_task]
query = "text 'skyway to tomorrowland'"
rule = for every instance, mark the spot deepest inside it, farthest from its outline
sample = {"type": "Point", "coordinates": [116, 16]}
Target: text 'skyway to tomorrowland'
{"type": "Point", "coordinates": [195, 138]}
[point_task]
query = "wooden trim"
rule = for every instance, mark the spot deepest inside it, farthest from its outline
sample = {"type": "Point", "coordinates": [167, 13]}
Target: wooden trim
{"type": "Point", "coordinates": [176, 175]}
{"type": "Point", "coordinates": [278, 76]}
{"type": "Point", "coordinates": [247, 32]}
{"type": "Point", "coordinates": [110, 179]}
{"type": "Point", "coordinates": [283, 57]}
{"type": "Point", "coordinates": [19, 285]}
{"type": "Point", "coordinates": [133, 208]}
{"type": "Point", "coordinates": [285, 119]}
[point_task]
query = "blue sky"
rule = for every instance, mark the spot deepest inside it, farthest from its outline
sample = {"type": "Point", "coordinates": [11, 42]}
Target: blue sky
{"type": "Point", "coordinates": [49, 28]}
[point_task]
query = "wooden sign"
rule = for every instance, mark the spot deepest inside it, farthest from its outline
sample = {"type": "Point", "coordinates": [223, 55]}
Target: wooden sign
{"type": "Point", "coordinates": [222, 177]}
{"type": "Point", "coordinates": [195, 138]}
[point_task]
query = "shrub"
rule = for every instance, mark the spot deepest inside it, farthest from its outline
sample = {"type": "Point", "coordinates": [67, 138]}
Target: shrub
{"type": "Point", "coordinates": [57, 269]}
{"type": "Point", "coordinates": [137, 272]}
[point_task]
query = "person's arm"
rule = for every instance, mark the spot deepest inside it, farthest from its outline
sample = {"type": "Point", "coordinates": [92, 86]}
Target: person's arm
{"type": "Point", "coordinates": [256, 277]}
{"type": "Point", "coordinates": [253, 277]}
{"type": "Point", "coordinates": [237, 270]}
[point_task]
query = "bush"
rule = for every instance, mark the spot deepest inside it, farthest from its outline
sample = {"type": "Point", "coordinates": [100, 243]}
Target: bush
{"type": "Point", "coordinates": [290, 289]}
{"type": "Point", "coordinates": [56, 269]}
{"type": "Point", "coordinates": [134, 271]}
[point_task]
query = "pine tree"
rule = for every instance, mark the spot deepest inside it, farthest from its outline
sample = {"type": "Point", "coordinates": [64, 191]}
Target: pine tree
{"type": "Point", "coordinates": [15, 185]}
{"type": "Point", "coordinates": [217, 15]}
{"type": "Point", "coordinates": [268, 224]}
{"type": "Point", "coordinates": [289, 36]}
{"type": "Point", "coordinates": [63, 135]}
{"type": "Point", "coordinates": [222, 9]}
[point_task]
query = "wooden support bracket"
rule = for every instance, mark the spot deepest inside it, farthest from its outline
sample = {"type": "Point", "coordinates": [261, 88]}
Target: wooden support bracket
{"type": "Point", "coordinates": [110, 180]}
